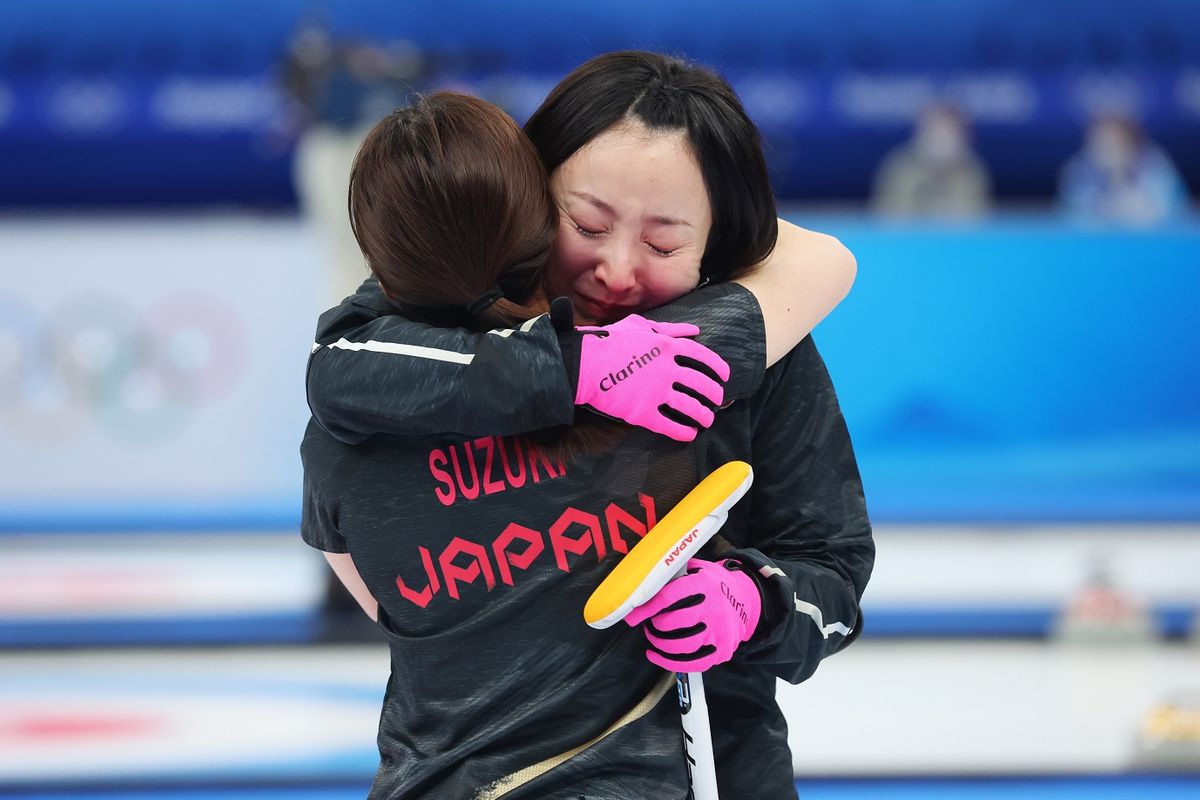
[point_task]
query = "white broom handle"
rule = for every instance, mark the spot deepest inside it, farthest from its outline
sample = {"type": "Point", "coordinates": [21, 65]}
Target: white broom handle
{"type": "Point", "coordinates": [697, 736]}
{"type": "Point", "coordinates": [660, 557]}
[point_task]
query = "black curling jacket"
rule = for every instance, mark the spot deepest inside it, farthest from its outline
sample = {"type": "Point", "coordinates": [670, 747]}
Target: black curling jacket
{"type": "Point", "coordinates": [482, 552]}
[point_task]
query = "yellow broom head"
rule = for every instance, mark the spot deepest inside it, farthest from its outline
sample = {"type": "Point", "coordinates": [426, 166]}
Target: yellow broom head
{"type": "Point", "coordinates": [665, 549]}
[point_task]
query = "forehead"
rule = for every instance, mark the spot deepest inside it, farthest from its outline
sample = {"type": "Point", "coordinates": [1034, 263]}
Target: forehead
{"type": "Point", "coordinates": [637, 170]}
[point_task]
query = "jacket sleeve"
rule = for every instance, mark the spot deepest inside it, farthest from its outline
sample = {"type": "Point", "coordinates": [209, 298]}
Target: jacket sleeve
{"type": "Point", "coordinates": [731, 324]}
{"type": "Point", "coordinates": [810, 547]}
{"type": "Point", "coordinates": [373, 371]}
{"type": "Point", "coordinates": [318, 518]}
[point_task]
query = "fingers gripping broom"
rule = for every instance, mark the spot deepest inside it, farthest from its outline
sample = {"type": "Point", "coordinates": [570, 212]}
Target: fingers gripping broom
{"type": "Point", "coordinates": [661, 555]}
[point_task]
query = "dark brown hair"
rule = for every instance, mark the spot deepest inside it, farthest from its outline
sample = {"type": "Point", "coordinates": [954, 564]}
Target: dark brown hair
{"type": "Point", "coordinates": [669, 94]}
{"type": "Point", "coordinates": [448, 200]}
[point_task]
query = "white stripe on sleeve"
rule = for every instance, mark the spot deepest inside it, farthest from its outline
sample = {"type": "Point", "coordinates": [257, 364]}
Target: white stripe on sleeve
{"type": "Point", "coordinates": [526, 327]}
{"type": "Point", "coordinates": [416, 351]}
{"type": "Point", "coordinates": [808, 608]}
{"type": "Point", "coordinates": [819, 618]}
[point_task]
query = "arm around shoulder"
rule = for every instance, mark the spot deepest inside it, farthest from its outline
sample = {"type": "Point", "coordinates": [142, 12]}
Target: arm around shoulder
{"type": "Point", "coordinates": [803, 279]}
{"type": "Point", "coordinates": [373, 371]}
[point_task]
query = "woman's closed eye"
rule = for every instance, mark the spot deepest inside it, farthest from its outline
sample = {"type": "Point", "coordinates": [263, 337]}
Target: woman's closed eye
{"type": "Point", "coordinates": [586, 231]}
{"type": "Point", "coordinates": [592, 233]}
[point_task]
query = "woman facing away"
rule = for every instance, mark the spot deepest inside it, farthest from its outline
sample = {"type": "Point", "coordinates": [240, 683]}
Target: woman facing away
{"type": "Point", "coordinates": [612, 247]}
{"type": "Point", "coordinates": [798, 547]}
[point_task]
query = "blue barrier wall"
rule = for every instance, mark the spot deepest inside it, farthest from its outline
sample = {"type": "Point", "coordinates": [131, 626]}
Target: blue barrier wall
{"type": "Point", "coordinates": [1021, 370]}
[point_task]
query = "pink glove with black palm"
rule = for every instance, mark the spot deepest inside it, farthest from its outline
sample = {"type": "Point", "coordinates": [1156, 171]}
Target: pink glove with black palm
{"type": "Point", "coordinates": [699, 619]}
{"type": "Point", "coordinates": [651, 375]}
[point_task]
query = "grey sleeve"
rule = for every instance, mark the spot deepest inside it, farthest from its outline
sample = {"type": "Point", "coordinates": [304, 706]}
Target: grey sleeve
{"type": "Point", "coordinates": [375, 372]}
{"type": "Point", "coordinates": [810, 548]}
{"type": "Point", "coordinates": [318, 519]}
{"type": "Point", "coordinates": [731, 324]}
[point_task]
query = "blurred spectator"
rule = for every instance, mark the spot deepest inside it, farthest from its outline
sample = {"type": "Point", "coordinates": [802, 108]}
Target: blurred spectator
{"type": "Point", "coordinates": [341, 90]}
{"type": "Point", "coordinates": [935, 173]}
{"type": "Point", "coordinates": [1121, 176]}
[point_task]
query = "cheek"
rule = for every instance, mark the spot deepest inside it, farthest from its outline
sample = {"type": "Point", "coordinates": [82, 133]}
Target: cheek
{"type": "Point", "coordinates": [670, 279]}
{"type": "Point", "coordinates": [570, 256]}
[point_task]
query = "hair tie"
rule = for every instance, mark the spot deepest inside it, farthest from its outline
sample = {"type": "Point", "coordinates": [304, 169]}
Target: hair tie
{"type": "Point", "coordinates": [485, 301]}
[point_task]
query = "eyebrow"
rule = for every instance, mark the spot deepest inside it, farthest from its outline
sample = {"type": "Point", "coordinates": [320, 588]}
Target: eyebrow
{"type": "Point", "coordinates": [603, 206]}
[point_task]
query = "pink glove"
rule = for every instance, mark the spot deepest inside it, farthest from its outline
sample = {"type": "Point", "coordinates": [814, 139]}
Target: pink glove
{"type": "Point", "coordinates": [636, 369]}
{"type": "Point", "coordinates": [699, 619]}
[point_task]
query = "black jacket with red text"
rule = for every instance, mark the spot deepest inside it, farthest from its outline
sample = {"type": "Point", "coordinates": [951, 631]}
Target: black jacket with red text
{"type": "Point", "coordinates": [482, 551]}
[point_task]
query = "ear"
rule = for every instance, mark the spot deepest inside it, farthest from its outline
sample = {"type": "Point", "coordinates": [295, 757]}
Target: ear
{"type": "Point", "coordinates": [383, 289]}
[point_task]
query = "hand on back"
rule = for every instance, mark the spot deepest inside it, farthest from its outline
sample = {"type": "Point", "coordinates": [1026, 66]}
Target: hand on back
{"type": "Point", "coordinates": [651, 374]}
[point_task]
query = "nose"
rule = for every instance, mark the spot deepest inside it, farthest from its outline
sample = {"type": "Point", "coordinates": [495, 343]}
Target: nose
{"type": "Point", "coordinates": [616, 270]}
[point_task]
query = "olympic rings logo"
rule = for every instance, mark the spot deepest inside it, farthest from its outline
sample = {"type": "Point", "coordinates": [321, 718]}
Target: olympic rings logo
{"type": "Point", "coordinates": [95, 361]}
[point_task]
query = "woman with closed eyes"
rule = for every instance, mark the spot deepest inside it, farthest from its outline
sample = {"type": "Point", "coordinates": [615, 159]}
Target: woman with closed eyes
{"type": "Point", "coordinates": [475, 543]}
